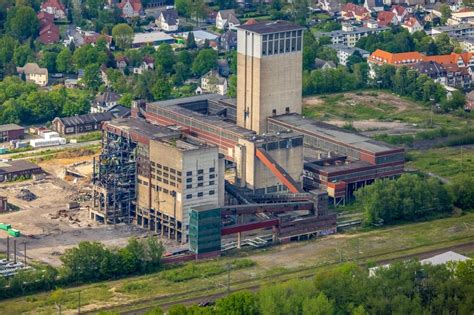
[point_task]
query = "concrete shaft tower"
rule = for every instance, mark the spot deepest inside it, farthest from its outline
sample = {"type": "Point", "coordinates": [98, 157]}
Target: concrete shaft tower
{"type": "Point", "coordinates": [269, 72]}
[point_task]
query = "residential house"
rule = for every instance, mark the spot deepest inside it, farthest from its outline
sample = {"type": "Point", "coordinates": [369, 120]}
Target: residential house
{"type": "Point", "coordinates": [344, 52]}
{"type": "Point", "coordinates": [131, 8]}
{"type": "Point", "coordinates": [455, 65]}
{"type": "Point", "coordinates": [121, 62]}
{"type": "Point", "coordinates": [454, 30]}
{"type": "Point", "coordinates": [331, 6]}
{"type": "Point", "coordinates": [400, 12]}
{"type": "Point", "coordinates": [168, 20]}
{"type": "Point", "coordinates": [226, 19]}
{"type": "Point", "coordinates": [457, 77]}
{"type": "Point", "coordinates": [54, 7]}
{"type": "Point", "coordinates": [385, 18]}
{"type": "Point", "coordinates": [412, 25]}
{"type": "Point", "coordinates": [147, 64]}
{"type": "Point", "coordinates": [228, 40]}
{"type": "Point", "coordinates": [212, 82]}
{"type": "Point", "coordinates": [81, 123]}
{"type": "Point", "coordinates": [351, 11]}
{"type": "Point", "coordinates": [223, 67]}
{"type": "Point", "coordinates": [434, 70]}
{"type": "Point", "coordinates": [10, 132]}
{"type": "Point", "coordinates": [461, 18]}
{"type": "Point", "coordinates": [374, 5]}
{"type": "Point", "coordinates": [323, 64]}
{"type": "Point", "coordinates": [349, 35]}
{"type": "Point", "coordinates": [104, 102]}
{"type": "Point", "coordinates": [469, 106]}
{"type": "Point", "coordinates": [49, 32]}
{"type": "Point", "coordinates": [158, 3]}
{"type": "Point", "coordinates": [34, 73]}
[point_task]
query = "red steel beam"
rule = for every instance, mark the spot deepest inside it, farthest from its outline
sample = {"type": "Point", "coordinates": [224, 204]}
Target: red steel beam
{"type": "Point", "coordinates": [278, 171]}
{"type": "Point", "coordinates": [227, 230]}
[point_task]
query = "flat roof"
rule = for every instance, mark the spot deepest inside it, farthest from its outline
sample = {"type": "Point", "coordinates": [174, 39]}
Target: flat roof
{"type": "Point", "coordinates": [178, 106]}
{"type": "Point", "coordinates": [8, 127]}
{"type": "Point", "coordinates": [203, 35]}
{"type": "Point", "coordinates": [16, 166]}
{"type": "Point", "coordinates": [151, 37]}
{"type": "Point", "coordinates": [352, 165]}
{"type": "Point", "coordinates": [298, 123]}
{"type": "Point", "coordinates": [142, 127]}
{"type": "Point", "coordinates": [270, 27]}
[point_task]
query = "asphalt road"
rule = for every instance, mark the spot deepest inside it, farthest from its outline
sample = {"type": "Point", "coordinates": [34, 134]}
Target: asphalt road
{"type": "Point", "coordinates": [49, 149]}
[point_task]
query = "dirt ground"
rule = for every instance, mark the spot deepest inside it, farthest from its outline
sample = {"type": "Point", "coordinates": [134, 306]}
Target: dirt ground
{"type": "Point", "coordinates": [46, 225]}
{"type": "Point", "coordinates": [372, 126]}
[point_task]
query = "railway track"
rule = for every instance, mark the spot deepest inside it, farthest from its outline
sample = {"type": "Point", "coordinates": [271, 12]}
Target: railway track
{"type": "Point", "coordinates": [140, 307]}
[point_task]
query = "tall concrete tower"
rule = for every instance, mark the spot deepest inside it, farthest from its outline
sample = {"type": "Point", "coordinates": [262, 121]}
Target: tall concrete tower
{"type": "Point", "coordinates": [269, 72]}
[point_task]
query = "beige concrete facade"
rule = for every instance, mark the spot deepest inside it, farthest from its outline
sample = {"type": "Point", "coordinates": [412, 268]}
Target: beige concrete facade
{"type": "Point", "coordinates": [268, 83]}
{"type": "Point", "coordinates": [255, 175]}
{"type": "Point", "coordinates": [182, 176]}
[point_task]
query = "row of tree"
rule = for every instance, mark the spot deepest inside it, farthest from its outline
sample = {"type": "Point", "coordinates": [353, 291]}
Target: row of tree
{"type": "Point", "coordinates": [403, 288]}
{"type": "Point", "coordinates": [397, 40]}
{"type": "Point", "coordinates": [88, 262]}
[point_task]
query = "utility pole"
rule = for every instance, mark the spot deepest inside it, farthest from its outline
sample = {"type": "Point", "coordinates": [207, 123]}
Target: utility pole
{"type": "Point", "coordinates": [24, 252]}
{"type": "Point", "coordinates": [228, 278]}
{"type": "Point", "coordinates": [79, 302]}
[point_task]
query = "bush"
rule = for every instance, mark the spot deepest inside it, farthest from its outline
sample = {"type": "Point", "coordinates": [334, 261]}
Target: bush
{"type": "Point", "coordinates": [408, 198]}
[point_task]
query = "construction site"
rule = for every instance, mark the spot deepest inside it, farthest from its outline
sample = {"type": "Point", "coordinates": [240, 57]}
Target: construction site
{"type": "Point", "coordinates": [208, 171]}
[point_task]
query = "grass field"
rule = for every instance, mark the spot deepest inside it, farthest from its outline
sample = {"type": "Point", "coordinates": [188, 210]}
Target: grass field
{"type": "Point", "coordinates": [271, 264]}
{"type": "Point", "coordinates": [445, 162]}
{"type": "Point", "coordinates": [377, 105]}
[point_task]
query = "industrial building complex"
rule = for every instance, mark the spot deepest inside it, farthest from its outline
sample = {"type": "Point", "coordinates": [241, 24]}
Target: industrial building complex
{"type": "Point", "coordinates": [202, 169]}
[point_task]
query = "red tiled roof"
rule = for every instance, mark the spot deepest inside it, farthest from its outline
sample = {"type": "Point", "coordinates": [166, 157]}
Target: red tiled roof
{"type": "Point", "coordinates": [53, 4]}
{"type": "Point", "coordinates": [357, 10]}
{"type": "Point", "coordinates": [49, 34]}
{"type": "Point", "coordinates": [399, 10]}
{"type": "Point", "coordinates": [385, 17]}
{"type": "Point", "coordinates": [92, 38]}
{"type": "Point", "coordinates": [136, 5]}
{"type": "Point", "coordinates": [251, 22]}
{"type": "Point", "coordinates": [45, 18]}
{"type": "Point", "coordinates": [381, 56]}
{"type": "Point", "coordinates": [411, 22]}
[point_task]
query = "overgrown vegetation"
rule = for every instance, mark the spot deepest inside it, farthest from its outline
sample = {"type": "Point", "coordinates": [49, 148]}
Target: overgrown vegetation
{"type": "Point", "coordinates": [403, 288]}
{"type": "Point", "coordinates": [193, 270]}
{"type": "Point", "coordinates": [408, 198]}
{"type": "Point", "coordinates": [88, 262]}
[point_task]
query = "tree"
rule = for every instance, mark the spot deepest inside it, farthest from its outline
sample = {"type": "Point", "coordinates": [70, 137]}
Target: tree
{"type": "Point", "coordinates": [232, 89]}
{"type": "Point", "coordinates": [181, 73]}
{"type": "Point", "coordinates": [91, 77]}
{"type": "Point", "coordinates": [443, 43]}
{"type": "Point", "coordinates": [182, 6]}
{"type": "Point", "coordinates": [165, 58]}
{"type": "Point", "coordinates": [320, 305]}
{"type": "Point", "coordinates": [205, 61]}
{"type": "Point", "coordinates": [190, 41]}
{"type": "Point", "coordinates": [240, 303]}
{"type": "Point", "coordinates": [48, 60]}
{"type": "Point", "coordinates": [64, 61]}
{"type": "Point", "coordinates": [300, 11]}
{"type": "Point", "coordinates": [407, 198]}
{"type": "Point", "coordinates": [445, 13]}
{"type": "Point", "coordinates": [22, 22]}
{"type": "Point", "coordinates": [122, 35]}
{"type": "Point", "coordinates": [457, 100]}
{"type": "Point", "coordinates": [461, 188]}
{"type": "Point", "coordinates": [23, 54]}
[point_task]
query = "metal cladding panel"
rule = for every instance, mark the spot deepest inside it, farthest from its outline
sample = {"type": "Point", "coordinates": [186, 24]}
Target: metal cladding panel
{"type": "Point", "coordinates": [248, 227]}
